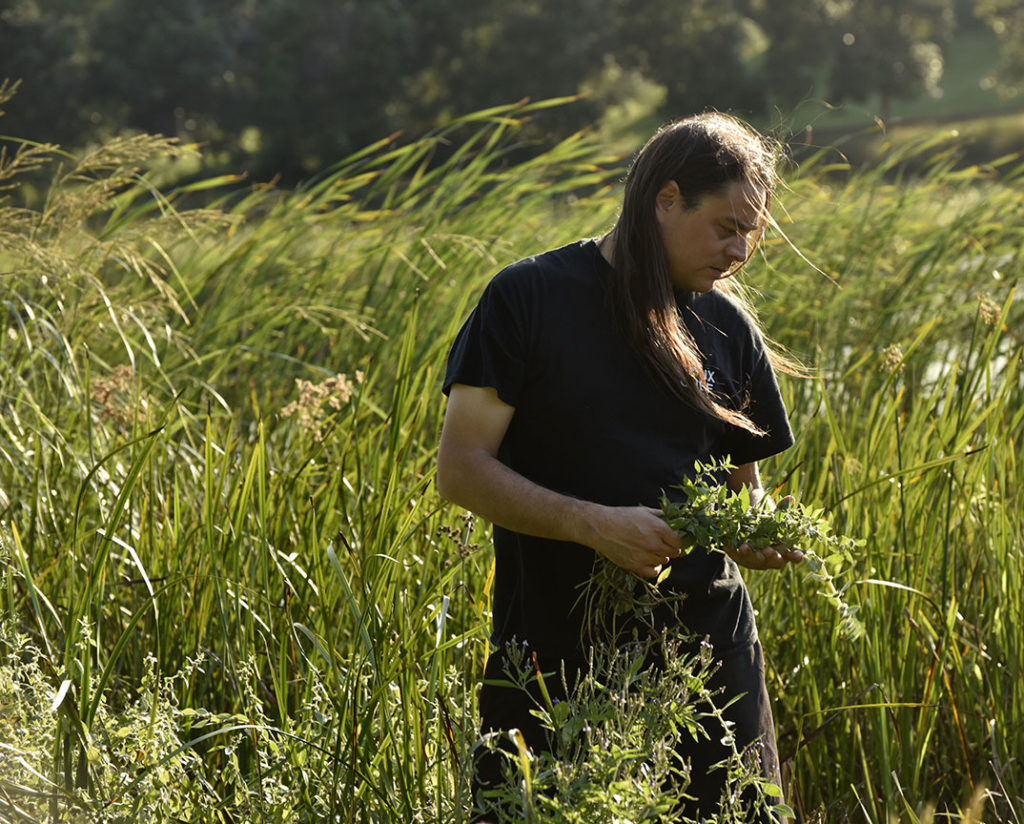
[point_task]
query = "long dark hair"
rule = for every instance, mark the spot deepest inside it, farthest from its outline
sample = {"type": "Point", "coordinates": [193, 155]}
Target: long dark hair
{"type": "Point", "coordinates": [703, 155]}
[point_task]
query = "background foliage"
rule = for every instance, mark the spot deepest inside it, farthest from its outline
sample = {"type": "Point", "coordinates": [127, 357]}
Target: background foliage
{"type": "Point", "coordinates": [288, 87]}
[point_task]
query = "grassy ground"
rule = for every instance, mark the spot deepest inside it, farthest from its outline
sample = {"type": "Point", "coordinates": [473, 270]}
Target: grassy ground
{"type": "Point", "coordinates": [229, 591]}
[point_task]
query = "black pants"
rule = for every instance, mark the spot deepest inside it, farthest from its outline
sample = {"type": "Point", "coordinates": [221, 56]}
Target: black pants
{"type": "Point", "coordinates": [741, 671]}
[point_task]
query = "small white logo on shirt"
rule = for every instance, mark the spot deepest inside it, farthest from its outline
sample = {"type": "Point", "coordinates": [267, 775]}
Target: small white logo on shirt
{"type": "Point", "coordinates": [709, 380]}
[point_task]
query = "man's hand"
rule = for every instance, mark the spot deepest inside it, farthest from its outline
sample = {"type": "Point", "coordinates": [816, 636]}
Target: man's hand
{"type": "Point", "coordinates": [635, 538]}
{"type": "Point", "coordinates": [771, 557]}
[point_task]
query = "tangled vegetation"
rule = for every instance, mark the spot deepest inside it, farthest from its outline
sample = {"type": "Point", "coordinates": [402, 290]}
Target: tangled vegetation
{"type": "Point", "coordinates": [710, 515]}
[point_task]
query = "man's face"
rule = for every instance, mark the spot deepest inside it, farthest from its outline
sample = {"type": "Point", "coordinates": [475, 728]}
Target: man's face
{"type": "Point", "coordinates": [707, 243]}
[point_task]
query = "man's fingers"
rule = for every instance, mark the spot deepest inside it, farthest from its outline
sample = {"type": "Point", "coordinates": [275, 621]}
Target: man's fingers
{"type": "Point", "coordinates": [669, 537]}
{"type": "Point", "coordinates": [638, 539]}
{"type": "Point", "coordinates": [655, 569]}
{"type": "Point", "coordinates": [767, 558]}
{"type": "Point", "coordinates": [787, 553]}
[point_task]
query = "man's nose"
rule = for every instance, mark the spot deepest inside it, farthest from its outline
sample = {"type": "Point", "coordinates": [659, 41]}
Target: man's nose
{"type": "Point", "coordinates": [737, 248]}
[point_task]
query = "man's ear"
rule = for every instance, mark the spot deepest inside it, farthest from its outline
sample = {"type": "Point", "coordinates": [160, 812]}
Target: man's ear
{"type": "Point", "coordinates": [668, 196]}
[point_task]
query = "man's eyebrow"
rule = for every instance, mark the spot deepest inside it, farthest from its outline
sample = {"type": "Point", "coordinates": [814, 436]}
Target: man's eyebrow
{"type": "Point", "coordinates": [741, 225]}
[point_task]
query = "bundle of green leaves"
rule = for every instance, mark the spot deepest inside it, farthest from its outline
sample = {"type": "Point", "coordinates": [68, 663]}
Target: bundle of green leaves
{"type": "Point", "coordinates": [711, 515]}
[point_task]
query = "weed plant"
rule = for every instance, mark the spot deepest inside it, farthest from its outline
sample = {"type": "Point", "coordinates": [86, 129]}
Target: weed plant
{"type": "Point", "coordinates": [614, 755]}
{"type": "Point", "coordinates": [230, 592]}
{"type": "Point", "coordinates": [712, 516]}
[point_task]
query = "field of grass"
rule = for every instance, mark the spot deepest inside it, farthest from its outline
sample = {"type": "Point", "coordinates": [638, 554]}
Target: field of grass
{"type": "Point", "coordinates": [230, 592]}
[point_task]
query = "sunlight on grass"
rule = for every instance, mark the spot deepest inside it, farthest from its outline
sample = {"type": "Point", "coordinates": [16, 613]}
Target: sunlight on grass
{"type": "Point", "coordinates": [227, 581]}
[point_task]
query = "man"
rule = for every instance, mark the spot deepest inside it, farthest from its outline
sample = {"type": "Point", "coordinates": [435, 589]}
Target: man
{"type": "Point", "coordinates": [585, 384]}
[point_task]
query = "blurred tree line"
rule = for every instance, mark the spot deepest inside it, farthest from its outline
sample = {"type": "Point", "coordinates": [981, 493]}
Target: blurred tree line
{"type": "Point", "coordinates": [286, 87]}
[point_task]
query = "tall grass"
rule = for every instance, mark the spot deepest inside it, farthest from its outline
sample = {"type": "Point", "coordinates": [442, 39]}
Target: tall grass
{"type": "Point", "coordinates": [909, 437]}
{"type": "Point", "coordinates": [230, 592]}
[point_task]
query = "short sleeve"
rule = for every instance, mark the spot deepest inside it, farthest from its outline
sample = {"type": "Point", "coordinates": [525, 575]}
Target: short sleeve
{"type": "Point", "coordinates": [762, 402]}
{"type": "Point", "coordinates": [492, 347]}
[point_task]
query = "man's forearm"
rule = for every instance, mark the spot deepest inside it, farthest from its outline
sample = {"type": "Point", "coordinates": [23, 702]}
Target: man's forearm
{"type": "Point", "coordinates": [484, 485]}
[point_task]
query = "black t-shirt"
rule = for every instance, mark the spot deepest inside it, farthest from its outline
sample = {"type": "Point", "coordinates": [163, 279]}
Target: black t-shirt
{"type": "Point", "coordinates": [591, 422]}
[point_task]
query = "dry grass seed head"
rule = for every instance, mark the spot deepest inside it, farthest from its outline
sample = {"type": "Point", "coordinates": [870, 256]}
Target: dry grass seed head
{"type": "Point", "coordinates": [893, 357]}
{"type": "Point", "coordinates": [316, 400]}
{"type": "Point", "coordinates": [989, 310]}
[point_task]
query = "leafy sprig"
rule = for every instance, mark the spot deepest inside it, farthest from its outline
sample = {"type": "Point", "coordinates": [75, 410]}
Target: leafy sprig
{"type": "Point", "coordinates": [713, 516]}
